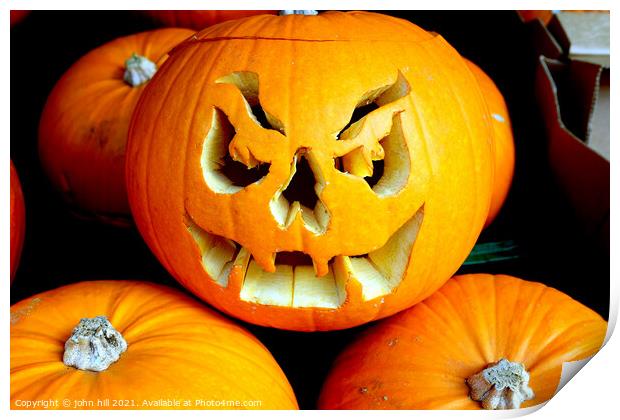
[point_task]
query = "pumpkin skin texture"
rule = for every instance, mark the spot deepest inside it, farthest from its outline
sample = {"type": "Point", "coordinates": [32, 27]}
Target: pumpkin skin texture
{"type": "Point", "coordinates": [84, 125]}
{"type": "Point", "coordinates": [200, 19]}
{"type": "Point", "coordinates": [18, 221]}
{"type": "Point", "coordinates": [421, 357]}
{"type": "Point", "coordinates": [176, 349]}
{"type": "Point", "coordinates": [503, 139]}
{"type": "Point", "coordinates": [226, 240]}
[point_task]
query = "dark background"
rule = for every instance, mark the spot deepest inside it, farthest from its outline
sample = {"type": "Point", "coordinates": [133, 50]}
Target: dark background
{"type": "Point", "coordinates": [61, 249]}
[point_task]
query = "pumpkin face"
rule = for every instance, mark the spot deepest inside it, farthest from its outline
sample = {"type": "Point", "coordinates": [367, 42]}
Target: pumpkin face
{"type": "Point", "coordinates": [199, 19]}
{"type": "Point", "coordinates": [175, 349]}
{"type": "Point", "coordinates": [83, 128]}
{"type": "Point", "coordinates": [430, 356]}
{"type": "Point", "coordinates": [503, 139]}
{"type": "Point", "coordinates": [306, 193]}
{"type": "Point", "coordinates": [18, 220]}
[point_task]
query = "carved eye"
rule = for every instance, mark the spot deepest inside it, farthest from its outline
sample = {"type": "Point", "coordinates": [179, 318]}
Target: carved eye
{"type": "Point", "coordinates": [247, 83]}
{"type": "Point", "coordinates": [222, 173]}
{"type": "Point", "coordinates": [382, 162]}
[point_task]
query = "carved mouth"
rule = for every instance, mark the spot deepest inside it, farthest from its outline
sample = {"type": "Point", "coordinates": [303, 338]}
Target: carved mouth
{"type": "Point", "coordinates": [294, 282]}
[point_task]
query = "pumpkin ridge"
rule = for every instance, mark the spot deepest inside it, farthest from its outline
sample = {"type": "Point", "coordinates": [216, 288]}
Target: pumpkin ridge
{"type": "Point", "coordinates": [521, 353]}
{"type": "Point", "coordinates": [472, 324]}
{"type": "Point", "coordinates": [551, 309]}
{"type": "Point", "coordinates": [465, 324]}
{"type": "Point", "coordinates": [542, 358]}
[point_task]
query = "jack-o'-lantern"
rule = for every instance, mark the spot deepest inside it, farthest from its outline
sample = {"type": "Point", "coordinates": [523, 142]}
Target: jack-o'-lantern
{"type": "Point", "coordinates": [311, 172]}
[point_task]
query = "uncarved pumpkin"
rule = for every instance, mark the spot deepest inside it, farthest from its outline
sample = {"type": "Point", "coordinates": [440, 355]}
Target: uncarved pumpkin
{"type": "Point", "coordinates": [425, 357]}
{"type": "Point", "coordinates": [200, 19]}
{"type": "Point", "coordinates": [83, 128]}
{"type": "Point", "coordinates": [504, 141]}
{"type": "Point", "coordinates": [18, 220]}
{"type": "Point", "coordinates": [307, 172]}
{"type": "Point", "coordinates": [176, 349]}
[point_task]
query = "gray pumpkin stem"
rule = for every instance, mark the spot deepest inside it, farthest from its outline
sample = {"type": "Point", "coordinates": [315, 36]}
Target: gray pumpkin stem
{"type": "Point", "coordinates": [93, 345]}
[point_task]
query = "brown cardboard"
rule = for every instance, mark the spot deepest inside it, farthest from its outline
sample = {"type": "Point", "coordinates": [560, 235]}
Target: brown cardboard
{"type": "Point", "coordinates": [582, 174]}
{"type": "Point", "coordinates": [599, 136]}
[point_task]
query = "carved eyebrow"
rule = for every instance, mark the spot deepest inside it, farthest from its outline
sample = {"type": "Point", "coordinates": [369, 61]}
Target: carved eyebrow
{"type": "Point", "coordinates": [247, 83]}
{"type": "Point", "coordinates": [375, 99]}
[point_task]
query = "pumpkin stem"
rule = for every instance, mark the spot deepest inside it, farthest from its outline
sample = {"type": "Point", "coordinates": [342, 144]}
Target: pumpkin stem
{"type": "Point", "coordinates": [94, 345]}
{"type": "Point", "coordinates": [298, 12]}
{"type": "Point", "coordinates": [502, 385]}
{"type": "Point", "coordinates": [138, 70]}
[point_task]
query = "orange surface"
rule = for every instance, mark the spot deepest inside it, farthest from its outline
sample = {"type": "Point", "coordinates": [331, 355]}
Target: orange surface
{"type": "Point", "coordinates": [504, 141]}
{"type": "Point", "coordinates": [444, 119]}
{"type": "Point", "coordinates": [84, 125]}
{"type": "Point", "coordinates": [420, 358]}
{"type": "Point", "coordinates": [178, 350]}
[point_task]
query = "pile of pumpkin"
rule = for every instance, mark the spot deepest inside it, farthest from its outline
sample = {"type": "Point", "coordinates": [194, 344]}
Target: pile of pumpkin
{"type": "Point", "coordinates": [299, 193]}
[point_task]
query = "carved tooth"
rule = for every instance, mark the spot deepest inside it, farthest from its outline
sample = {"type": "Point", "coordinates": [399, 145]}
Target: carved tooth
{"type": "Point", "coordinates": [348, 288]}
{"type": "Point", "coordinates": [312, 291]}
{"type": "Point", "coordinates": [238, 270]}
{"type": "Point", "coordinates": [266, 260]}
{"type": "Point", "coordinates": [268, 288]}
{"type": "Point", "coordinates": [383, 269]}
{"type": "Point", "coordinates": [321, 266]}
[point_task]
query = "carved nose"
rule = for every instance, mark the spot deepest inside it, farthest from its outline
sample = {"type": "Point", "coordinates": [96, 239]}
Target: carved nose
{"type": "Point", "coordinates": [301, 186]}
{"type": "Point", "coordinates": [298, 196]}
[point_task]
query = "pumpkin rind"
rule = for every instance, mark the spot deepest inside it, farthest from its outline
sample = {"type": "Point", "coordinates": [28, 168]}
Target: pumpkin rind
{"type": "Point", "coordinates": [503, 140]}
{"type": "Point", "coordinates": [18, 221]}
{"type": "Point", "coordinates": [422, 357]}
{"type": "Point", "coordinates": [84, 125]}
{"type": "Point", "coordinates": [200, 19]}
{"type": "Point", "coordinates": [177, 349]}
{"type": "Point", "coordinates": [434, 103]}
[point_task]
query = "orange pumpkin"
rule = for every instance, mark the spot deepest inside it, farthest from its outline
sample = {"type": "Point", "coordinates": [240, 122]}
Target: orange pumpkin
{"type": "Point", "coordinates": [18, 221]}
{"type": "Point", "coordinates": [459, 347]}
{"type": "Point", "coordinates": [155, 348]}
{"type": "Point", "coordinates": [504, 142]}
{"type": "Point", "coordinates": [83, 129]}
{"type": "Point", "coordinates": [304, 193]}
{"type": "Point", "coordinates": [199, 19]}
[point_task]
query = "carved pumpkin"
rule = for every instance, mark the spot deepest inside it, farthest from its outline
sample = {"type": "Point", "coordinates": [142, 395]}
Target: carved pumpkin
{"type": "Point", "coordinates": [199, 19]}
{"type": "Point", "coordinates": [83, 129]}
{"type": "Point", "coordinates": [139, 344]}
{"type": "Point", "coordinates": [459, 347]}
{"type": "Point", "coordinates": [504, 142]}
{"type": "Point", "coordinates": [314, 168]}
{"type": "Point", "coordinates": [18, 221]}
